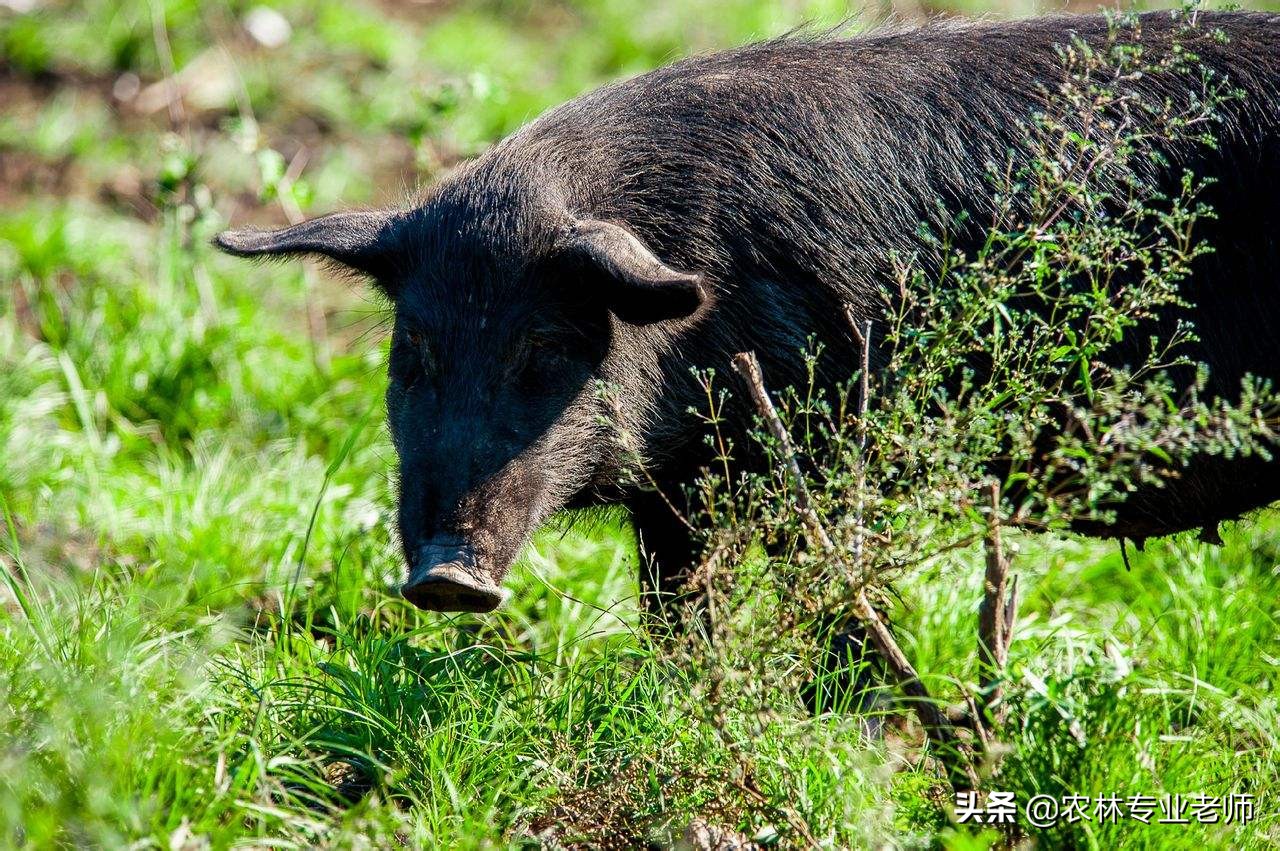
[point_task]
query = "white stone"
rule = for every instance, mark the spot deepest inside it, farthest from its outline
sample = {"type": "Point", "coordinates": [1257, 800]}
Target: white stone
{"type": "Point", "coordinates": [267, 26]}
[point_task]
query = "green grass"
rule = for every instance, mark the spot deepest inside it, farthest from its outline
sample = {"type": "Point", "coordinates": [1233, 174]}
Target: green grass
{"type": "Point", "coordinates": [200, 637]}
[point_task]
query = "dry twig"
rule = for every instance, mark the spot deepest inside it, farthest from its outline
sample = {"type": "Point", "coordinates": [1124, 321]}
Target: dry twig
{"type": "Point", "coordinates": [996, 615]}
{"type": "Point", "coordinates": [951, 749]}
{"type": "Point", "coordinates": [863, 337]}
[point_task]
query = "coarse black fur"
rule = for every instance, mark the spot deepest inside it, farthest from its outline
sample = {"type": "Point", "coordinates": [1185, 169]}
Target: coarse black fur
{"type": "Point", "coordinates": [770, 186]}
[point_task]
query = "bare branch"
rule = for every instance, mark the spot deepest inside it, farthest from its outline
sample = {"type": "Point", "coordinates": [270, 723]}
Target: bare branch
{"type": "Point", "coordinates": [951, 750]}
{"type": "Point", "coordinates": [1010, 615]}
{"type": "Point", "coordinates": [974, 716]}
{"type": "Point", "coordinates": [995, 625]}
{"type": "Point", "coordinates": [863, 338]}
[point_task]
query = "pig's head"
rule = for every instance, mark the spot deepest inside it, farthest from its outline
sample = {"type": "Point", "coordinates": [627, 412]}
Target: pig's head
{"type": "Point", "coordinates": [506, 317]}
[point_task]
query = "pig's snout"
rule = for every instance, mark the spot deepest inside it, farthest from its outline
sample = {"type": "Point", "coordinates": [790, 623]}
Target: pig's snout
{"type": "Point", "coordinates": [446, 578]}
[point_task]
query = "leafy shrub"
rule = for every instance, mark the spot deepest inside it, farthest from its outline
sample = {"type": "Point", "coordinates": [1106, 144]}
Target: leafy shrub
{"type": "Point", "coordinates": [994, 371]}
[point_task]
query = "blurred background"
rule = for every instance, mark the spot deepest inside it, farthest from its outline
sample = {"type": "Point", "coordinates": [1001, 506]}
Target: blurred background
{"type": "Point", "coordinates": [340, 102]}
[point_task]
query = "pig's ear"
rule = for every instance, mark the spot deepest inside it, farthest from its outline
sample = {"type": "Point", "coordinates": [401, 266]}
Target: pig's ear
{"type": "Point", "coordinates": [638, 287]}
{"type": "Point", "coordinates": [363, 240]}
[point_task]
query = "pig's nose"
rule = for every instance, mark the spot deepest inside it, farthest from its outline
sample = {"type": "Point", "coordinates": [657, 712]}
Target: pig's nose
{"type": "Point", "coordinates": [446, 578]}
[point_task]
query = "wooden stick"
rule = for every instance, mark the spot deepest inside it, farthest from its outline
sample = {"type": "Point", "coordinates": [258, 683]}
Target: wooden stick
{"type": "Point", "coordinates": [995, 626]}
{"type": "Point", "coordinates": [1010, 615]}
{"type": "Point", "coordinates": [863, 338]}
{"type": "Point", "coordinates": [975, 716]}
{"type": "Point", "coordinates": [951, 750]}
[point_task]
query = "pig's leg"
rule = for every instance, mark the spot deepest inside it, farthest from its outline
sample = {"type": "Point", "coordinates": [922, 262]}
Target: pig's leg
{"type": "Point", "coordinates": [668, 552]}
{"type": "Point", "coordinates": [849, 677]}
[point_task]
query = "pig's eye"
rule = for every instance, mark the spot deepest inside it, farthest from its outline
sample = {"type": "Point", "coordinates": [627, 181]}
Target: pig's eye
{"type": "Point", "coordinates": [547, 348]}
{"type": "Point", "coordinates": [411, 358]}
{"type": "Point", "coordinates": [422, 348]}
{"type": "Point", "coordinates": [520, 359]}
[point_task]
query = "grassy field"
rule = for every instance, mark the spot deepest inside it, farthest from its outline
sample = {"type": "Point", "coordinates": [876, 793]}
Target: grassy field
{"type": "Point", "coordinates": [200, 640]}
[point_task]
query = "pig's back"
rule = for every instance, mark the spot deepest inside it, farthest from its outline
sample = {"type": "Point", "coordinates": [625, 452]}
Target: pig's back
{"type": "Point", "coordinates": [793, 172]}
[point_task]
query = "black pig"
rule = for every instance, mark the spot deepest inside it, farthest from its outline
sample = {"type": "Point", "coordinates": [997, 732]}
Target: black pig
{"type": "Point", "coordinates": [726, 203]}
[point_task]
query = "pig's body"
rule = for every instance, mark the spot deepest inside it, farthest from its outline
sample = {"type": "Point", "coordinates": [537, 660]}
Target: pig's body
{"type": "Point", "coordinates": [771, 186]}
